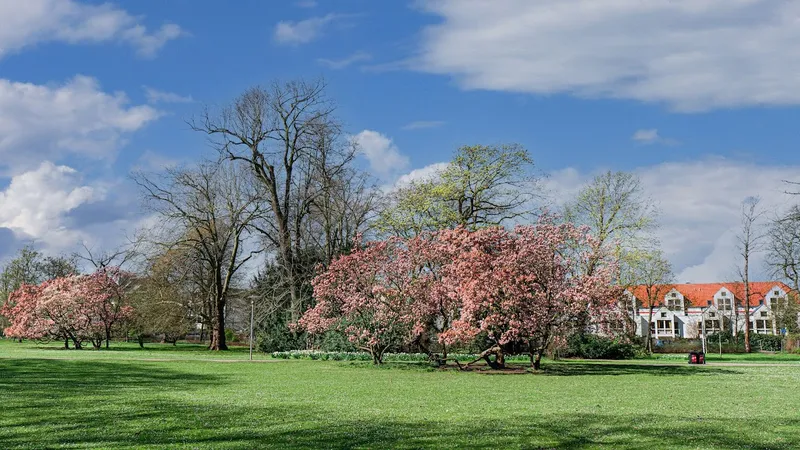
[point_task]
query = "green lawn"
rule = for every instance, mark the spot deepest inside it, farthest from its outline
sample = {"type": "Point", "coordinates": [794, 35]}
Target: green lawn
{"type": "Point", "coordinates": [121, 399]}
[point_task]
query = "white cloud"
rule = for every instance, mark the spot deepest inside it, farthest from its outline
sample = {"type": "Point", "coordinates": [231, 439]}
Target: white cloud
{"type": "Point", "coordinates": [646, 136]}
{"type": "Point", "coordinates": [303, 31]}
{"type": "Point", "coordinates": [700, 204]}
{"type": "Point", "coordinates": [344, 62]}
{"type": "Point", "coordinates": [156, 96]}
{"type": "Point", "coordinates": [651, 136]}
{"type": "Point", "coordinates": [421, 124]}
{"type": "Point", "coordinates": [383, 155]}
{"type": "Point", "coordinates": [35, 203]}
{"type": "Point", "coordinates": [428, 172]}
{"type": "Point", "coordinates": [42, 122]}
{"type": "Point", "coordinates": [30, 22]}
{"type": "Point", "coordinates": [688, 54]}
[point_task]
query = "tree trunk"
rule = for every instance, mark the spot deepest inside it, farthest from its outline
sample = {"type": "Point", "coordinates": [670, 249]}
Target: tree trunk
{"type": "Point", "coordinates": [499, 358]}
{"type": "Point", "coordinates": [746, 304]}
{"type": "Point", "coordinates": [108, 336]}
{"type": "Point", "coordinates": [536, 360]}
{"type": "Point", "coordinates": [218, 332]}
{"type": "Point", "coordinates": [140, 338]}
{"type": "Point", "coordinates": [649, 338]}
{"type": "Point", "coordinates": [66, 343]}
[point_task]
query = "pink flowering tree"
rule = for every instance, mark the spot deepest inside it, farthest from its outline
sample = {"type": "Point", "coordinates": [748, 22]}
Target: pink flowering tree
{"type": "Point", "coordinates": [435, 308]}
{"type": "Point", "coordinates": [366, 296]}
{"type": "Point", "coordinates": [73, 308]}
{"type": "Point", "coordinates": [104, 295]}
{"type": "Point", "coordinates": [524, 287]}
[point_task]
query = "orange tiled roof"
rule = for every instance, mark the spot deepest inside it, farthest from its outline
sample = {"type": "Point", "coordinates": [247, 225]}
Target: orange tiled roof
{"type": "Point", "coordinates": [699, 294]}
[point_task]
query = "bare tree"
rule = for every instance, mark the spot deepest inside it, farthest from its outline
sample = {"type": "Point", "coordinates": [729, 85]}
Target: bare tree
{"type": "Point", "coordinates": [651, 272]}
{"type": "Point", "coordinates": [288, 137]}
{"type": "Point", "coordinates": [749, 240]}
{"type": "Point", "coordinates": [618, 212]}
{"type": "Point", "coordinates": [783, 247]}
{"type": "Point", "coordinates": [206, 213]}
{"type": "Point", "coordinates": [102, 259]}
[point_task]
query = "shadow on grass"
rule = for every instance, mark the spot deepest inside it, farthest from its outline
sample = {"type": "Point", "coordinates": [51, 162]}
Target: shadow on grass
{"type": "Point", "coordinates": [569, 369]}
{"type": "Point", "coordinates": [50, 403]}
{"type": "Point", "coordinates": [149, 347]}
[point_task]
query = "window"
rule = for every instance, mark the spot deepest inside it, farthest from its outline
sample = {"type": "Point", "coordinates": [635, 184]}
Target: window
{"type": "Point", "coordinates": [761, 302]}
{"type": "Point", "coordinates": [776, 293]}
{"type": "Point", "coordinates": [711, 314]}
{"type": "Point", "coordinates": [663, 314]}
{"type": "Point", "coordinates": [763, 314]}
{"type": "Point", "coordinates": [725, 304]}
{"type": "Point", "coordinates": [674, 304]}
{"type": "Point", "coordinates": [708, 303]}
{"type": "Point", "coordinates": [723, 294]}
{"type": "Point", "coordinates": [673, 295]}
{"type": "Point", "coordinates": [773, 302]}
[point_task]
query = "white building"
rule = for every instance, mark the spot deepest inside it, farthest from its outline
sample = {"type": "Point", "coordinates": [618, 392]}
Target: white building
{"type": "Point", "coordinates": [688, 310]}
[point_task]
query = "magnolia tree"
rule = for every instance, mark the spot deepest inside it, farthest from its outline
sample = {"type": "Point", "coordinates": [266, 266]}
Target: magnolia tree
{"type": "Point", "coordinates": [493, 285]}
{"type": "Point", "coordinates": [74, 308]}
{"type": "Point", "coordinates": [366, 296]}
{"type": "Point", "coordinates": [524, 287]}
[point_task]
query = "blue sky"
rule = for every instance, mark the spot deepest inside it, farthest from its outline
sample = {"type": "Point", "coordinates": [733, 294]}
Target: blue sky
{"type": "Point", "coordinates": [698, 97]}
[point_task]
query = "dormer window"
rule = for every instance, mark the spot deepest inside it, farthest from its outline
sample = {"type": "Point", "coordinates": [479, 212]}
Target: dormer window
{"type": "Point", "coordinates": [663, 314]}
{"type": "Point", "coordinates": [723, 294]}
{"type": "Point", "coordinates": [674, 295]}
{"type": "Point", "coordinates": [763, 314]}
{"type": "Point", "coordinates": [725, 304]}
{"type": "Point", "coordinates": [711, 314]}
{"type": "Point", "coordinates": [761, 302]}
{"type": "Point", "coordinates": [776, 293]}
{"type": "Point", "coordinates": [773, 302]}
{"type": "Point", "coordinates": [708, 303]}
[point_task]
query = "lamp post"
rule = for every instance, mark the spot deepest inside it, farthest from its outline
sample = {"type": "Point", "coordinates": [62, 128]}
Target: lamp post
{"type": "Point", "coordinates": [252, 314]}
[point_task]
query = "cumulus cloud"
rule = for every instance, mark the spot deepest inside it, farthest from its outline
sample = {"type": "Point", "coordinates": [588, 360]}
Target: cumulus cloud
{"type": "Point", "coordinates": [35, 204]}
{"type": "Point", "coordinates": [30, 22]}
{"type": "Point", "coordinates": [428, 172]}
{"type": "Point", "coordinates": [346, 61]}
{"type": "Point", "coordinates": [700, 204]}
{"type": "Point", "coordinates": [39, 122]}
{"type": "Point", "coordinates": [383, 155]}
{"type": "Point", "coordinates": [303, 31]}
{"type": "Point", "coordinates": [690, 55]}
{"type": "Point", "coordinates": [155, 96]}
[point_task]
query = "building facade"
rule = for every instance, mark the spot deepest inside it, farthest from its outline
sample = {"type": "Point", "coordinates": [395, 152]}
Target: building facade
{"type": "Point", "coordinates": [691, 310]}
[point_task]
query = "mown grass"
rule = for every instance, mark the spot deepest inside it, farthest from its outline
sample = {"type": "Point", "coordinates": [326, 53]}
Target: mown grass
{"type": "Point", "coordinates": [93, 401]}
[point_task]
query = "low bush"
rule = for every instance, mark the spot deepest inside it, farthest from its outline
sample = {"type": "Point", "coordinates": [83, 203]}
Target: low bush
{"type": "Point", "coordinates": [360, 356]}
{"type": "Point", "coordinates": [590, 346]}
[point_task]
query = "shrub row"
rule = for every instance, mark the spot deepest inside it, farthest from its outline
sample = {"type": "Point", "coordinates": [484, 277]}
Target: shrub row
{"type": "Point", "coordinates": [590, 346]}
{"type": "Point", "coordinates": [360, 356]}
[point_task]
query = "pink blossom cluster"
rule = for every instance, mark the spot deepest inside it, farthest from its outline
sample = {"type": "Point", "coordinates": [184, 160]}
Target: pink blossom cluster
{"type": "Point", "coordinates": [73, 308]}
{"type": "Point", "coordinates": [522, 285]}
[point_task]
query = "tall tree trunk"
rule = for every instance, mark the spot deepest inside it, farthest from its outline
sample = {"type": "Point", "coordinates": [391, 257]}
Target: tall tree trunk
{"type": "Point", "coordinates": [66, 343]}
{"type": "Point", "coordinates": [746, 307]}
{"type": "Point", "coordinates": [108, 336]}
{"type": "Point", "coordinates": [218, 332]}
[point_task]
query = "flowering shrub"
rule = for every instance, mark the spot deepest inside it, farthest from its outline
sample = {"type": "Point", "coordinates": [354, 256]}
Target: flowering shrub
{"type": "Point", "coordinates": [73, 308]}
{"type": "Point", "coordinates": [506, 287]}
